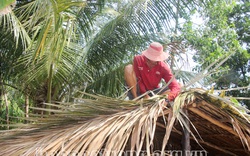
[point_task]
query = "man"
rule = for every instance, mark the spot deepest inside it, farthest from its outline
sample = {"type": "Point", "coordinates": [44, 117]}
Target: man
{"type": "Point", "coordinates": [147, 71]}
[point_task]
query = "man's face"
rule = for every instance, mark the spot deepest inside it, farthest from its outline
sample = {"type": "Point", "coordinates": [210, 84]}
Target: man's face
{"type": "Point", "coordinates": [151, 63]}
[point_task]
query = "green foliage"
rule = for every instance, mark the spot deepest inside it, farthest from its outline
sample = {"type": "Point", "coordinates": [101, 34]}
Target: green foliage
{"type": "Point", "coordinates": [218, 38]}
{"type": "Point", "coordinates": [5, 4]}
{"type": "Point", "coordinates": [15, 111]}
{"type": "Point", "coordinates": [61, 47]}
{"type": "Point", "coordinates": [240, 19]}
{"type": "Point", "coordinates": [114, 82]}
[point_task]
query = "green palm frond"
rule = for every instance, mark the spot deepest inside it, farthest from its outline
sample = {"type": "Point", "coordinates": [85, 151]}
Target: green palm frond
{"type": "Point", "coordinates": [11, 24]}
{"type": "Point", "coordinates": [96, 123]}
{"type": "Point", "coordinates": [134, 27]}
{"type": "Point", "coordinates": [56, 52]}
{"type": "Point", "coordinates": [105, 84]}
{"type": "Point", "coordinates": [126, 31]}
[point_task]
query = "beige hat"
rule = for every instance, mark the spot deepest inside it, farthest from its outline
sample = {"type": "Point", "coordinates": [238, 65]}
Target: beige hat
{"type": "Point", "coordinates": [155, 52]}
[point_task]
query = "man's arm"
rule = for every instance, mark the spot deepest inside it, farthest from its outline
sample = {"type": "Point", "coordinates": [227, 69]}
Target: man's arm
{"type": "Point", "coordinates": [173, 85]}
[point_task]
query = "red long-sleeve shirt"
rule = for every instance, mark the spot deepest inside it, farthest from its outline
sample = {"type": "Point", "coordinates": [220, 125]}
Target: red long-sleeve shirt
{"type": "Point", "coordinates": [149, 79]}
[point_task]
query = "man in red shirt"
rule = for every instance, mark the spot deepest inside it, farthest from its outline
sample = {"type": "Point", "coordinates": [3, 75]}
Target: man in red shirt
{"type": "Point", "coordinates": [147, 71]}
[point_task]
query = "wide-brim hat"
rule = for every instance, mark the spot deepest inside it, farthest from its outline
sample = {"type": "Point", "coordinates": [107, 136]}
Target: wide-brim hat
{"type": "Point", "coordinates": [155, 52]}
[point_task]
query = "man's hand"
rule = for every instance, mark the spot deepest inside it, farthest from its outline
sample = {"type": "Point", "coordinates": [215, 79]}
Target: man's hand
{"type": "Point", "coordinates": [166, 96]}
{"type": "Point", "coordinates": [146, 97]}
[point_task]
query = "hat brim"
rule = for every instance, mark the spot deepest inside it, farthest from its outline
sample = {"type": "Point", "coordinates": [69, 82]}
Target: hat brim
{"type": "Point", "coordinates": [161, 57]}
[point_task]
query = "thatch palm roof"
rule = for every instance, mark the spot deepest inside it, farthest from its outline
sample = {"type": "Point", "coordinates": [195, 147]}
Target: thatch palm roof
{"type": "Point", "coordinates": [113, 127]}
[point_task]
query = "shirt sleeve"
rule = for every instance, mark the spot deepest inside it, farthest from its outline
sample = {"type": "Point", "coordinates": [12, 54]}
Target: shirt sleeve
{"type": "Point", "coordinates": [138, 75]}
{"type": "Point", "coordinates": [174, 85]}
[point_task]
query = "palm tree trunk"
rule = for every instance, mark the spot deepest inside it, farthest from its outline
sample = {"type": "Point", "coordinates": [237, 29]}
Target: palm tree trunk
{"type": "Point", "coordinates": [50, 84]}
{"type": "Point", "coordinates": [26, 107]}
{"type": "Point", "coordinates": [6, 109]}
{"type": "Point", "coordinates": [49, 91]}
{"type": "Point", "coordinates": [1, 94]}
{"type": "Point", "coordinates": [5, 99]}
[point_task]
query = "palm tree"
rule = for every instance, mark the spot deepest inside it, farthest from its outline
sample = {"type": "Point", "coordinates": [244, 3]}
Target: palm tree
{"type": "Point", "coordinates": [59, 59]}
{"type": "Point", "coordinates": [65, 53]}
{"type": "Point", "coordinates": [55, 49]}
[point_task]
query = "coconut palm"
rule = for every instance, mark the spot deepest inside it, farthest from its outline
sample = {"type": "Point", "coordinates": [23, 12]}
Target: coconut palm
{"type": "Point", "coordinates": [72, 46]}
{"type": "Point", "coordinates": [55, 48]}
{"type": "Point", "coordinates": [99, 123]}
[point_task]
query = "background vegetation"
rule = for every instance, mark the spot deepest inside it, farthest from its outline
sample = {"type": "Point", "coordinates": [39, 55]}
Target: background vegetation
{"type": "Point", "coordinates": [51, 50]}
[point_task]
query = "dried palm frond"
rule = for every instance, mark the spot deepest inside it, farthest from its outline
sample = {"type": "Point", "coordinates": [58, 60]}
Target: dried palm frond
{"type": "Point", "coordinates": [240, 120]}
{"type": "Point", "coordinates": [106, 133]}
{"type": "Point", "coordinates": [101, 125]}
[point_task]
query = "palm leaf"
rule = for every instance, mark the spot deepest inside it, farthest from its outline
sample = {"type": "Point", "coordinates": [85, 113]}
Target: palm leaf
{"type": "Point", "coordinates": [11, 24]}
{"type": "Point", "coordinates": [119, 126]}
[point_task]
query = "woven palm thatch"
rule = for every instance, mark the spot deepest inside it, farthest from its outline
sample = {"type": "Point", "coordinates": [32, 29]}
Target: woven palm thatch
{"type": "Point", "coordinates": [212, 125]}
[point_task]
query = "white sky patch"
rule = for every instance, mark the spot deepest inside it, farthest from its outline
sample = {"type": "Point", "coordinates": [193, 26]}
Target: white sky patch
{"type": "Point", "coordinates": [188, 64]}
{"type": "Point", "coordinates": [197, 20]}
